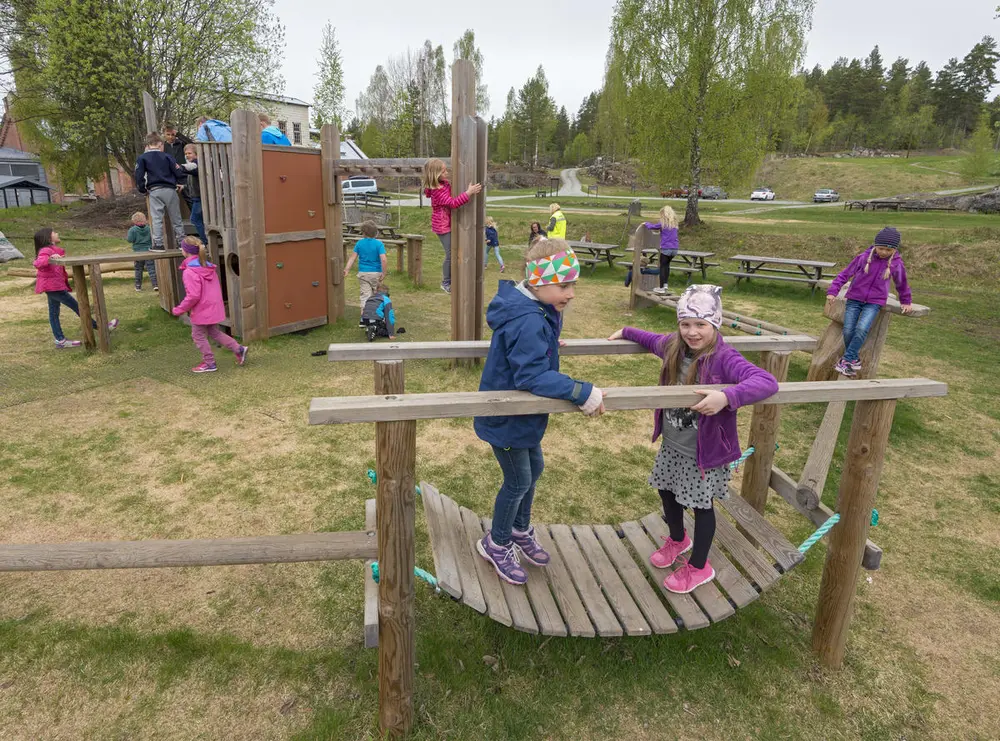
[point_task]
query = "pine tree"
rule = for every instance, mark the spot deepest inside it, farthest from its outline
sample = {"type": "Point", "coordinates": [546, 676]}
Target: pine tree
{"type": "Point", "coordinates": [328, 95]}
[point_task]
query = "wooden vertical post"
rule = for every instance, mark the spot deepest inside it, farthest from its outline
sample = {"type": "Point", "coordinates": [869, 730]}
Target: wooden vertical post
{"type": "Point", "coordinates": [463, 220]}
{"type": "Point", "coordinates": [763, 434]}
{"type": "Point", "coordinates": [248, 208]}
{"type": "Point", "coordinates": [846, 546]}
{"type": "Point", "coordinates": [164, 269]}
{"type": "Point", "coordinates": [415, 259]}
{"type": "Point", "coordinates": [395, 463]}
{"type": "Point", "coordinates": [334, 225]}
{"type": "Point", "coordinates": [80, 286]}
{"type": "Point", "coordinates": [100, 308]}
{"type": "Point", "coordinates": [482, 134]}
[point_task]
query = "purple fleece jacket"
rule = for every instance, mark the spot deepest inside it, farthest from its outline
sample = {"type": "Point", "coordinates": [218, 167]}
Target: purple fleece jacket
{"type": "Point", "coordinates": [718, 440]}
{"type": "Point", "coordinates": [871, 287]}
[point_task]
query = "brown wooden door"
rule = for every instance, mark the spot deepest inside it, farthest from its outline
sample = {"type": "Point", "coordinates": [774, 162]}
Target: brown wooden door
{"type": "Point", "coordinates": [296, 282]}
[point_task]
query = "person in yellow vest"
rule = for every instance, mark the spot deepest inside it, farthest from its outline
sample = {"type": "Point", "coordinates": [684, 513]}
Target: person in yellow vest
{"type": "Point", "coordinates": [557, 223]}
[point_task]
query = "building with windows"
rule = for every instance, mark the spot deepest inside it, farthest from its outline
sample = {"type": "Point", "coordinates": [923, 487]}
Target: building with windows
{"type": "Point", "coordinates": [291, 115]}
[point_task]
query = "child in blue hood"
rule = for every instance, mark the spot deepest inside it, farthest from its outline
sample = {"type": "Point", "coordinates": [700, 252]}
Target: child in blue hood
{"type": "Point", "coordinates": [524, 355]}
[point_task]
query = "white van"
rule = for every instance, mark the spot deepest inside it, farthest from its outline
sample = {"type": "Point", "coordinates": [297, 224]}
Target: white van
{"type": "Point", "coordinates": [359, 185]}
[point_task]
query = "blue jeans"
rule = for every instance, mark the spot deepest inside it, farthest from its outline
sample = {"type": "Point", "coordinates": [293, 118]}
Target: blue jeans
{"type": "Point", "coordinates": [55, 299]}
{"type": "Point", "coordinates": [496, 251]}
{"type": "Point", "coordinates": [521, 468]}
{"type": "Point", "coordinates": [197, 219]}
{"type": "Point", "coordinates": [858, 320]}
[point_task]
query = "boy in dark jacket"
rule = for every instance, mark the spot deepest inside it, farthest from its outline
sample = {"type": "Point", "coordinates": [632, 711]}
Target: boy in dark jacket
{"type": "Point", "coordinates": [193, 189]}
{"type": "Point", "coordinates": [156, 174]}
{"type": "Point", "coordinates": [378, 316]}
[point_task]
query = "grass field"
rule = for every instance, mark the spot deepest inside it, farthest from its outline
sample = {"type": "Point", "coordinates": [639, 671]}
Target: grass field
{"type": "Point", "coordinates": [131, 445]}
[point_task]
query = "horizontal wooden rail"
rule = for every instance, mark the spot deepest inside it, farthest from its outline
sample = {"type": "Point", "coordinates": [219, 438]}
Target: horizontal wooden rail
{"type": "Point", "coordinates": [116, 257]}
{"type": "Point", "coordinates": [347, 409]}
{"type": "Point", "coordinates": [479, 348]}
{"type": "Point", "coordinates": [406, 166]}
{"type": "Point", "coordinates": [153, 554]}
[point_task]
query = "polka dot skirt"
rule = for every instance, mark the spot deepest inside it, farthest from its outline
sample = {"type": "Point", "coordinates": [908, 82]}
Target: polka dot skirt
{"type": "Point", "coordinates": [679, 473]}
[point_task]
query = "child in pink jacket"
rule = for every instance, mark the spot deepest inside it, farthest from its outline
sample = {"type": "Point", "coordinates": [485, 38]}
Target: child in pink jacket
{"type": "Point", "coordinates": [438, 189]}
{"type": "Point", "coordinates": [204, 302]}
{"type": "Point", "coordinates": [53, 281]}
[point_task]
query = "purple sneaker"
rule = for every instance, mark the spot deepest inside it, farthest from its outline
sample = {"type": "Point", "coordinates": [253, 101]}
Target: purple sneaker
{"type": "Point", "coordinates": [843, 368]}
{"type": "Point", "coordinates": [504, 559]}
{"type": "Point", "coordinates": [528, 547]}
{"type": "Point", "coordinates": [241, 355]}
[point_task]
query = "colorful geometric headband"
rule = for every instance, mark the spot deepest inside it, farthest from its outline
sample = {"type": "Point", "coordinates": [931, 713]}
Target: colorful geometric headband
{"type": "Point", "coordinates": [563, 267]}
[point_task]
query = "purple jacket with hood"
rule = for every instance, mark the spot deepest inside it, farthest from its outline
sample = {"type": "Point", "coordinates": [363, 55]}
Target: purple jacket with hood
{"type": "Point", "coordinates": [718, 440]}
{"type": "Point", "coordinates": [203, 293]}
{"type": "Point", "coordinates": [871, 287]}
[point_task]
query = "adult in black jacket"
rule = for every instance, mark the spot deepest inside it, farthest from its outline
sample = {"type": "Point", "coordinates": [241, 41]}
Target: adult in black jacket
{"type": "Point", "coordinates": [173, 144]}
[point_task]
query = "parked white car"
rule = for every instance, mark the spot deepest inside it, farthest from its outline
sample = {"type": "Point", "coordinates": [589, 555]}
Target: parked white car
{"type": "Point", "coordinates": [357, 185]}
{"type": "Point", "coordinates": [762, 194]}
{"type": "Point", "coordinates": [826, 195]}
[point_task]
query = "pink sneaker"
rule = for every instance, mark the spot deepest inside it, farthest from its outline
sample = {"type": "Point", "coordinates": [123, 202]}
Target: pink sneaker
{"type": "Point", "coordinates": [687, 578]}
{"type": "Point", "coordinates": [670, 550]}
{"type": "Point", "coordinates": [204, 368]}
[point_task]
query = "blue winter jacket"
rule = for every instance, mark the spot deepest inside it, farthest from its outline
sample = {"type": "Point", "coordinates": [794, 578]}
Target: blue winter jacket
{"type": "Point", "coordinates": [492, 238]}
{"type": "Point", "coordinates": [523, 356]}
{"type": "Point", "coordinates": [274, 135]}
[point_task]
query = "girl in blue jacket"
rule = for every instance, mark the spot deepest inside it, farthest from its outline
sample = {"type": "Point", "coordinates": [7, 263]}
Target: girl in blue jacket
{"type": "Point", "coordinates": [524, 355]}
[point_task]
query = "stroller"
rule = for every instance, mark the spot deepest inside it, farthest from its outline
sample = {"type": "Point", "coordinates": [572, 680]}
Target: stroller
{"type": "Point", "coordinates": [378, 318]}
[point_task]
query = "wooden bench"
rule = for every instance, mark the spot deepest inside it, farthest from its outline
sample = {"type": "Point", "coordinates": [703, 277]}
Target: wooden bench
{"type": "Point", "coordinates": [413, 244]}
{"type": "Point", "coordinates": [100, 308]}
{"type": "Point", "coordinates": [541, 193]}
{"type": "Point", "coordinates": [800, 270]}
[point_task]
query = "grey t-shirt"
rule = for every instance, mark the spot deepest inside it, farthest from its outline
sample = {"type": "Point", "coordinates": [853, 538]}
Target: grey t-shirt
{"type": "Point", "coordinates": [680, 426]}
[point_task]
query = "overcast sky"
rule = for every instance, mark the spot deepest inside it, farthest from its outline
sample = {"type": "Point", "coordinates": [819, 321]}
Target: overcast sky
{"type": "Point", "coordinates": [570, 37]}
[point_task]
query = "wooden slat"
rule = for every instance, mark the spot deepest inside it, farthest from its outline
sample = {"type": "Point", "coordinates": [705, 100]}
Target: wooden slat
{"type": "Point", "coordinates": [343, 351]}
{"type": "Point", "coordinates": [629, 614]}
{"type": "Point", "coordinates": [465, 557]}
{"type": "Point", "coordinates": [645, 597]}
{"type": "Point", "coordinates": [348, 409]}
{"type": "Point", "coordinates": [153, 554]}
{"type": "Point", "coordinates": [571, 606]}
{"type": "Point", "coordinates": [517, 598]}
{"type": "Point", "coordinates": [740, 591]}
{"type": "Point", "coordinates": [682, 604]}
{"type": "Point", "coordinates": [708, 595]}
{"type": "Point", "coordinates": [766, 534]}
{"type": "Point", "coordinates": [280, 237]}
{"type": "Point", "coordinates": [590, 591]}
{"type": "Point", "coordinates": [206, 178]}
{"type": "Point", "coordinates": [371, 587]}
{"type": "Point", "coordinates": [496, 603]}
{"type": "Point", "coordinates": [550, 622]}
{"type": "Point", "coordinates": [83, 299]}
{"type": "Point", "coordinates": [445, 566]}
{"type": "Point", "coordinates": [112, 257]}
{"type": "Point", "coordinates": [756, 566]}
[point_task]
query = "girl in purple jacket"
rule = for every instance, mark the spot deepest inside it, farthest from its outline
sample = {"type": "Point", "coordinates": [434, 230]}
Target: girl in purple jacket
{"type": "Point", "coordinates": [699, 443]}
{"type": "Point", "coordinates": [869, 274]}
{"type": "Point", "coordinates": [667, 227]}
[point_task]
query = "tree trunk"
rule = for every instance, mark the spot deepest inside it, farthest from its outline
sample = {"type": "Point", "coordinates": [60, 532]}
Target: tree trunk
{"type": "Point", "coordinates": [691, 217]}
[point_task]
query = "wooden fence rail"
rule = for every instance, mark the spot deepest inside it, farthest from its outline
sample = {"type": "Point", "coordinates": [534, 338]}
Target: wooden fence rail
{"type": "Point", "coordinates": [399, 407]}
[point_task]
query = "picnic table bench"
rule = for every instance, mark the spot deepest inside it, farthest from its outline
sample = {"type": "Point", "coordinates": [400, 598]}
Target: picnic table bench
{"type": "Point", "coordinates": [596, 251]}
{"type": "Point", "coordinates": [386, 230]}
{"type": "Point", "coordinates": [688, 262]}
{"type": "Point", "coordinates": [796, 270]}
{"type": "Point", "coordinates": [413, 244]}
{"type": "Point", "coordinates": [541, 193]}
{"type": "Point", "coordinates": [100, 308]}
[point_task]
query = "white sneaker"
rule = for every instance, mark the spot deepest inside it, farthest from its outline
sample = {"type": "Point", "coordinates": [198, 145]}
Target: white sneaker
{"type": "Point", "coordinates": [660, 291]}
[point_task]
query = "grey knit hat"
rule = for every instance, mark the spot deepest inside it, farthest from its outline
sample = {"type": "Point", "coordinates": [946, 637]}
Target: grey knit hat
{"type": "Point", "coordinates": [888, 237]}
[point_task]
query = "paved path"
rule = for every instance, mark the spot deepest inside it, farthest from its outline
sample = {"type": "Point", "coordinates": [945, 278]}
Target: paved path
{"type": "Point", "coordinates": [570, 183]}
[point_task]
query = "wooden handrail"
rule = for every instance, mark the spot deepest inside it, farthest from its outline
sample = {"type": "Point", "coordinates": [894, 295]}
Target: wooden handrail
{"type": "Point", "coordinates": [338, 352]}
{"type": "Point", "coordinates": [348, 409]}
{"type": "Point", "coordinates": [115, 257]}
{"type": "Point", "coordinates": [150, 554]}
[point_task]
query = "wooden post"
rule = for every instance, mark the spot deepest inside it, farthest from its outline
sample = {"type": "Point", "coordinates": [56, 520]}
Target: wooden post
{"type": "Point", "coordinates": [80, 285]}
{"type": "Point", "coordinates": [334, 224]}
{"type": "Point", "coordinates": [640, 239]}
{"type": "Point", "coordinates": [463, 221]}
{"type": "Point", "coordinates": [831, 345]}
{"type": "Point", "coordinates": [763, 433]}
{"type": "Point", "coordinates": [100, 309]}
{"type": "Point", "coordinates": [415, 258]}
{"type": "Point", "coordinates": [858, 485]}
{"type": "Point", "coordinates": [395, 463]}
{"type": "Point", "coordinates": [482, 132]}
{"type": "Point", "coordinates": [248, 208]}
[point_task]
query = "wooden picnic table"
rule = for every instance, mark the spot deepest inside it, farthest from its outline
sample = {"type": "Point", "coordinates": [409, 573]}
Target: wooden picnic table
{"type": "Point", "coordinates": [797, 270]}
{"type": "Point", "coordinates": [691, 262]}
{"type": "Point", "coordinates": [100, 309]}
{"type": "Point", "coordinates": [596, 250]}
{"type": "Point", "coordinates": [386, 230]}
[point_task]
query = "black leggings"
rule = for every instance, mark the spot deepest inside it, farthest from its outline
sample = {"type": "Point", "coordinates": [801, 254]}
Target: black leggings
{"type": "Point", "coordinates": [665, 268]}
{"type": "Point", "coordinates": [704, 527]}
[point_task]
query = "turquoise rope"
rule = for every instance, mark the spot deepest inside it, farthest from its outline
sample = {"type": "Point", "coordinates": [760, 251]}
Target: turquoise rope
{"type": "Point", "coordinates": [417, 571]}
{"type": "Point", "coordinates": [746, 454]}
{"type": "Point", "coordinates": [373, 477]}
{"type": "Point", "coordinates": [826, 527]}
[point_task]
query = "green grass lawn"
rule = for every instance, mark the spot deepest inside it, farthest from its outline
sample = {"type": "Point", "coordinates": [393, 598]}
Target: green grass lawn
{"type": "Point", "coordinates": [131, 445]}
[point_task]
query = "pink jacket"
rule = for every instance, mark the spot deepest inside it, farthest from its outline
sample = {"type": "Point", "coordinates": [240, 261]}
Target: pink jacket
{"type": "Point", "coordinates": [50, 277]}
{"type": "Point", "coordinates": [204, 293]}
{"type": "Point", "coordinates": [441, 204]}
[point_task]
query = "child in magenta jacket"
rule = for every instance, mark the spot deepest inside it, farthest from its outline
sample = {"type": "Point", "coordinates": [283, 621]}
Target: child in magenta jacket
{"type": "Point", "coordinates": [53, 281]}
{"type": "Point", "coordinates": [438, 189]}
{"type": "Point", "coordinates": [692, 467]}
{"type": "Point", "coordinates": [203, 300]}
{"type": "Point", "coordinates": [869, 273]}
